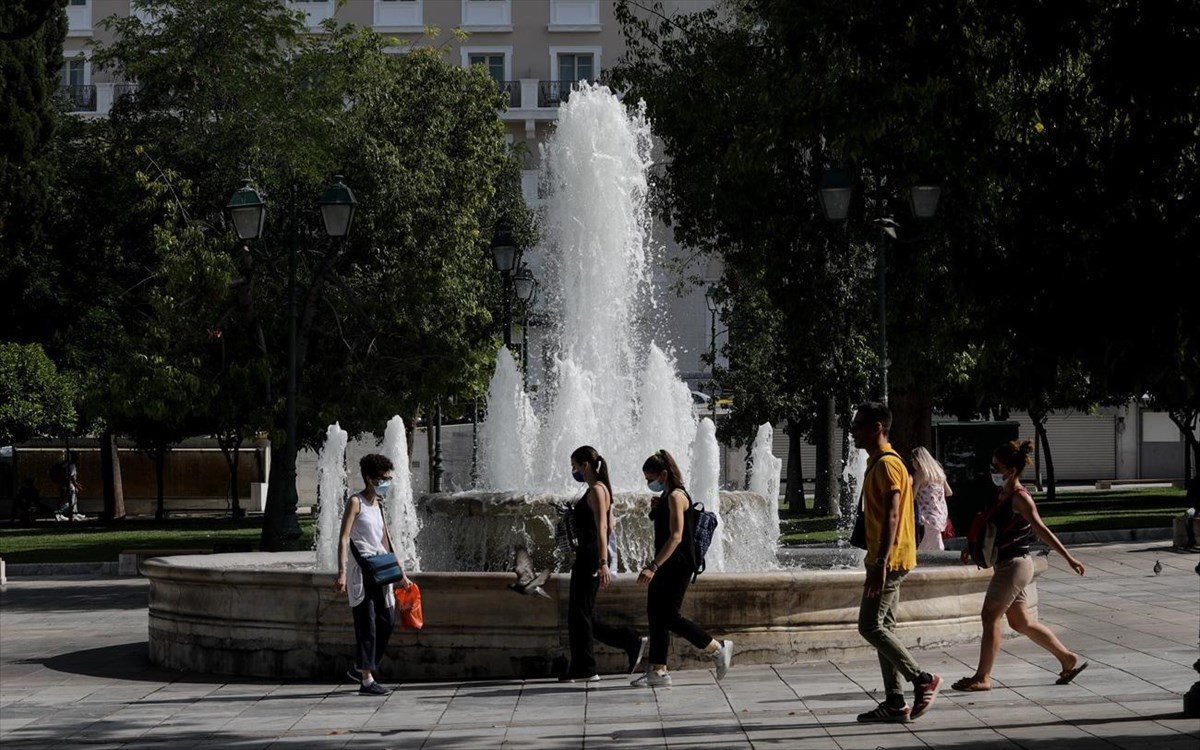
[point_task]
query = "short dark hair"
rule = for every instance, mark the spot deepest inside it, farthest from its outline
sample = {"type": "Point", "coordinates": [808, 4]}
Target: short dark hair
{"type": "Point", "coordinates": [875, 411]}
{"type": "Point", "coordinates": [1014, 455]}
{"type": "Point", "coordinates": [374, 465]}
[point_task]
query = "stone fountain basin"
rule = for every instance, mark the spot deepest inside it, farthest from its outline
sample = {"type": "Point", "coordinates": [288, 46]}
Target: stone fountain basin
{"type": "Point", "coordinates": [272, 615]}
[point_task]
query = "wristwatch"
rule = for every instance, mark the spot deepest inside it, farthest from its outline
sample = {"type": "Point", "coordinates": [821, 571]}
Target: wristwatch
{"type": "Point", "coordinates": [880, 562]}
{"type": "Point", "coordinates": [652, 566]}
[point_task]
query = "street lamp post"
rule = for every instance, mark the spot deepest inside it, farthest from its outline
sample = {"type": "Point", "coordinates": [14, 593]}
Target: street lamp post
{"type": "Point", "coordinates": [710, 299]}
{"type": "Point", "coordinates": [834, 194]}
{"type": "Point", "coordinates": [505, 257]}
{"type": "Point", "coordinates": [525, 286]}
{"type": "Point", "coordinates": [248, 213]}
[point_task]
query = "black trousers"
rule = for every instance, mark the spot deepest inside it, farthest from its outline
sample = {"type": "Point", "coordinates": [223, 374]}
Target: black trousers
{"type": "Point", "coordinates": [583, 625]}
{"type": "Point", "coordinates": [374, 621]}
{"type": "Point", "coordinates": [663, 600]}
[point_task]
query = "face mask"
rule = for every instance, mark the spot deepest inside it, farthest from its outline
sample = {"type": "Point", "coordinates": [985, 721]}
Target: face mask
{"type": "Point", "coordinates": [577, 476]}
{"type": "Point", "coordinates": [655, 486]}
{"type": "Point", "coordinates": [383, 488]}
{"type": "Point", "coordinates": [997, 479]}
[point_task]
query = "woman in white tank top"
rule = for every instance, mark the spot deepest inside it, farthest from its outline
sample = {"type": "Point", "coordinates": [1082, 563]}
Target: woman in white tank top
{"type": "Point", "coordinates": [364, 533]}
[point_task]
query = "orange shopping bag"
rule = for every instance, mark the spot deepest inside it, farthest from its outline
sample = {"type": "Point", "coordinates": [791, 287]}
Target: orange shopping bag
{"type": "Point", "coordinates": [408, 606]}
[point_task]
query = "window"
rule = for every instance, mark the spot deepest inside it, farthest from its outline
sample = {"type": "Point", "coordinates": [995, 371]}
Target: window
{"type": "Point", "coordinates": [493, 62]}
{"type": "Point", "coordinates": [315, 11]}
{"type": "Point", "coordinates": [79, 18]}
{"type": "Point", "coordinates": [495, 14]}
{"type": "Point", "coordinates": [574, 15]}
{"type": "Point", "coordinates": [74, 73]}
{"type": "Point", "coordinates": [399, 14]}
{"type": "Point", "coordinates": [574, 67]}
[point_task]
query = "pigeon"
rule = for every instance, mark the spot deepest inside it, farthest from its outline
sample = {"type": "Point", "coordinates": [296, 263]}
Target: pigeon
{"type": "Point", "coordinates": [1157, 567]}
{"type": "Point", "coordinates": [528, 583]}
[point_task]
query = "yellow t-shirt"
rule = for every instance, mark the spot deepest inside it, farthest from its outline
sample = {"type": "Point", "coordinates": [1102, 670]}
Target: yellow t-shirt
{"type": "Point", "coordinates": [889, 475]}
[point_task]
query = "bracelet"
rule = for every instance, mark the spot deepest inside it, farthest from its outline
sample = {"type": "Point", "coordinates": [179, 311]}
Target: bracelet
{"type": "Point", "coordinates": [652, 566]}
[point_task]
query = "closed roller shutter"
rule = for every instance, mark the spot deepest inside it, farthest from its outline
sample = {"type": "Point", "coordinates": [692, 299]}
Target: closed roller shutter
{"type": "Point", "coordinates": [1083, 445]}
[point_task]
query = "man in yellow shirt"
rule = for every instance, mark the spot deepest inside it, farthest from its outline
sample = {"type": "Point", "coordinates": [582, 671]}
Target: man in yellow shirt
{"type": "Point", "coordinates": [891, 552]}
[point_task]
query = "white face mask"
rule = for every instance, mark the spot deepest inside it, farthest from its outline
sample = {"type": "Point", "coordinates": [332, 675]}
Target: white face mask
{"type": "Point", "coordinates": [997, 479]}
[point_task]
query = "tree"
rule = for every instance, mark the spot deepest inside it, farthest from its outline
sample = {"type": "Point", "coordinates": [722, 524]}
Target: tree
{"type": "Point", "coordinates": [30, 58]}
{"type": "Point", "coordinates": [35, 398]}
{"type": "Point", "coordinates": [389, 318]}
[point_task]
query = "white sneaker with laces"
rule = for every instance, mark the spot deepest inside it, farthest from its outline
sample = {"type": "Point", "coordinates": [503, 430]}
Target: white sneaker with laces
{"type": "Point", "coordinates": [653, 679]}
{"type": "Point", "coordinates": [59, 517]}
{"type": "Point", "coordinates": [723, 657]}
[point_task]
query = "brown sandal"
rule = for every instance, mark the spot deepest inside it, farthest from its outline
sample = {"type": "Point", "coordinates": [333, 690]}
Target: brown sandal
{"type": "Point", "coordinates": [970, 685]}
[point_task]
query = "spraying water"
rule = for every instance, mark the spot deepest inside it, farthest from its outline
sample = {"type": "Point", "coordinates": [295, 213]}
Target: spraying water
{"type": "Point", "coordinates": [705, 486]}
{"type": "Point", "coordinates": [508, 437]}
{"type": "Point", "coordinates": [403, 522]}
{"type": "Point", "coordinates": [331, 497]}
{"type": "Point", "coordinates": [764, 481]}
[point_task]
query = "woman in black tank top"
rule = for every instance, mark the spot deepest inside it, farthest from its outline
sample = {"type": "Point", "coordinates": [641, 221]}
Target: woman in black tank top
{"type": "Point", "coordinates": [593, 524]}
{"type": "Point", "coordinates": [668, 574]}
{"type": "Point", "coordinates": [1017, 520]}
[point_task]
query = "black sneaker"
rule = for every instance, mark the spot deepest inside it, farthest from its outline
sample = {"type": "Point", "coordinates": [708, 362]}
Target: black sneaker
{"type": "Point", "coordinates": [354, 675]}
{"type": "Point", "coordinates": [885, 714]}
{"type": "Point", "coordinates": [376, 689]}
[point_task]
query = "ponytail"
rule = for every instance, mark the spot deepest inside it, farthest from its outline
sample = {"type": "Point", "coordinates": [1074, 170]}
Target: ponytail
{"type": "Point", "coordinates": [664, 461]}
{"type": "Point", "coordinates": [586, 454]}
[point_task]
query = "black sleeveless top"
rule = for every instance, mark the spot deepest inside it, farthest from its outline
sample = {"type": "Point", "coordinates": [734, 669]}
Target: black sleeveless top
{"type": "Point", "coordinates": [588, 551]}
{"type": "Point", "coordinates": [1014, 532]}
{"type": "Point", "coordinates": [660, 514]}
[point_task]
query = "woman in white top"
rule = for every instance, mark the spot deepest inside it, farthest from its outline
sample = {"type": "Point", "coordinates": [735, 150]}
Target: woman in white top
{"type": "Point", "coordinates": [364, 533]}
{"type": "Point", "coordinates": [930, 491]}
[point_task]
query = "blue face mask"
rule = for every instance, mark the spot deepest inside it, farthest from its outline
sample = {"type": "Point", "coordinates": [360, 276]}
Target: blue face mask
{"type": "Point", "coordinates": [577, 476]}
{"type": "Point", "coordinates": [655, 486]}
{"type": "Point", "coordinates": [383, 488]}
{"type": "Point", "coordinates": [997, 479]}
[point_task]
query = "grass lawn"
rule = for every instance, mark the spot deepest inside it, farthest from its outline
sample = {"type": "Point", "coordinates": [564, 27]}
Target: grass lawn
{"type": "Point", "coordinates": [53, 541]}
{"type": "Point", "coordinates": [1071, 511]}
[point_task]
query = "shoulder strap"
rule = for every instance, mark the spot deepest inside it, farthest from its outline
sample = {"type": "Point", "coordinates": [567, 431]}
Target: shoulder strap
{"type": "Point", "coordinates": [862, 488]}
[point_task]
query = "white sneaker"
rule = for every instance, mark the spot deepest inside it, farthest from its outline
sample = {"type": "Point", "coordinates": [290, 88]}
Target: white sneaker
{"type": "Point", "coordinates": [59, 517]}
{"type": "Point", "coordinates": [723, 656]}
{"type": "Point", "coordinates": [590, 678]}
{"type": "Point", "coordinates": [78, 517]}
{"type": "Point", "coordinates": [653, 679]}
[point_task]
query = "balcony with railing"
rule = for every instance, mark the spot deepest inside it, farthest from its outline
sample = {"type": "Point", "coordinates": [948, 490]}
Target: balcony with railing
{"type": "Point", "coordinates": [512, 92]}
{"type": "Point", "coordinates": [78, 98]}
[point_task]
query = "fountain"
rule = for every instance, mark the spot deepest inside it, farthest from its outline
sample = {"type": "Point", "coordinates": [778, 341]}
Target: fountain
{"type": "Point", "coordinates": [608, 384]}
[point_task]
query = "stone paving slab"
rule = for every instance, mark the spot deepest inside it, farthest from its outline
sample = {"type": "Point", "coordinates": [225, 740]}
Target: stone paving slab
{"type": "Point", "coordinates": [74, 672]}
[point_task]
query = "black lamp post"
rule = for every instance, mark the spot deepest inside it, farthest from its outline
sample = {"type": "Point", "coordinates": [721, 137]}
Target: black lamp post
{"type": "Point", "coordinates": [505, 256]}
{"type": "Point", "coordinates": [835, 193]}
{"type": "Point", "coordinates": [525, 286]}
{"type": "Point", "coordinates": [248, 213]}
{"type": "Point", "coordinates": [710, 299]}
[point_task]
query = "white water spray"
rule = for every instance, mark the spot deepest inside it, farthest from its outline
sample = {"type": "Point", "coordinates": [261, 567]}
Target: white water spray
{"type": "Point", "coordinates": [331, 489]}
{"type": "Point", "coordinates": [705, 487]}
{"type": "Point", "coordinates": [403, 521]}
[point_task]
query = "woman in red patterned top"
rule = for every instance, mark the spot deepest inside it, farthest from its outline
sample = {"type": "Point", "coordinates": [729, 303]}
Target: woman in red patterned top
{"type": "Point", "coordinates": [1017, 519]}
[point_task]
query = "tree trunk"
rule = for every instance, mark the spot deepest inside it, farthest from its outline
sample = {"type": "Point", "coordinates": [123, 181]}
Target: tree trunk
{"type": "Point", "coordinates": [795, 473]}
{"type": "Point", "coordinates": [160, 459]}
{"type": "Point", "coordinates": [110, 473]}
{"type": "Point", "coordinates": [429, 449]}
{"type": "Point", "coordinates": [1039, 426]}
{"type": "Point", "coordinates": [825, 494]}
{"type": "Point", "coordinates": [281, 529]}
{"type": "Point", "coordinates": [912, 419]}
{"type": "Point", "coordinates": [231, 444]}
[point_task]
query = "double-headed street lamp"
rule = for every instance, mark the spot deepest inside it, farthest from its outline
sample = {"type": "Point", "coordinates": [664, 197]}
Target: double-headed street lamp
{"type": "Point", "coordinates": [835, 193]}
{"type": "Point", "coordinates": [505, 257]}
{"type": "Point", "coordinates": [518, 279]}
{"type": "Point", "coordinates": [248, 213]}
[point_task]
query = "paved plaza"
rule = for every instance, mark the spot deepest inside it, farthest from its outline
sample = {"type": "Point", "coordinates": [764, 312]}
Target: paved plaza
{"type": "Point", "coordinates": [74, 673]}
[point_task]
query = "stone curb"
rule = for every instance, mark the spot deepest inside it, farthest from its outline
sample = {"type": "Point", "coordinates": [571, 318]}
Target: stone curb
{"type": "Point", "coordinates": [1067, 537]}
